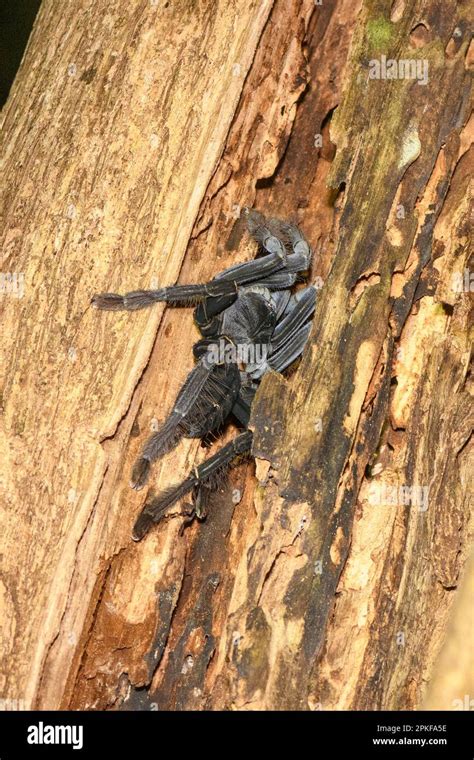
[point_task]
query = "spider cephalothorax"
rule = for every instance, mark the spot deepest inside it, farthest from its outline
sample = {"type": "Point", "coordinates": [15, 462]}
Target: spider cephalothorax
{"type": "Point", "coordinates": [250, 322]}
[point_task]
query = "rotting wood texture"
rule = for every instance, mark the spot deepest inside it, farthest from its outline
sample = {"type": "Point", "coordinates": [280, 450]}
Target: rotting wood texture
{"type": "Point", "coordinates": [133, 137]}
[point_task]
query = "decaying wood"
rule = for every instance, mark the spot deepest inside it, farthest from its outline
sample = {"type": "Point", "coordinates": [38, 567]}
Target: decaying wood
{"type": "Point", "coordinates": [132, 138]}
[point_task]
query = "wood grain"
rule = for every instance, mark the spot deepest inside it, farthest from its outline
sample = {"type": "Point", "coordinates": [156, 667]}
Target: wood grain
{"type": "Point", "coordinates": [131, 145]}
{"type": "Point", "coordinates": [110, 137]}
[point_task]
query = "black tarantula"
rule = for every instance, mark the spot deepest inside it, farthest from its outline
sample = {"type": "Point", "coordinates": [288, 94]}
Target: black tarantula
{"type": "Point", "coordinates": [250, 322]}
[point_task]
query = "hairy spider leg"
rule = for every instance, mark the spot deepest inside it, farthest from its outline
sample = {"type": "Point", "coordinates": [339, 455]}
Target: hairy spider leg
{"type": "Point", "coordinates": [290, 351]}
{"type": "Point", "coordinates": [155, 510]}
{"type": "Point", "coordinates": [301, 310]}
{"type": "Point", "coordinates": [203, 403]}
{"type": "Point", "coordinates": [222, 286]}
{"type": "Point", "coordinates": [289, 335]}
{"type": "Point", "coordinates": [207, 313]}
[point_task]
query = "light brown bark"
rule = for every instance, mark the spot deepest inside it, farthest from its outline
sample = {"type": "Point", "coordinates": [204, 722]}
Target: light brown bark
{"type": "Point", "coordinates": [132, 138]}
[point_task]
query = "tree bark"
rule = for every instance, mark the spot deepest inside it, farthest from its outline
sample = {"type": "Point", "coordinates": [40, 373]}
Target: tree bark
{"type": "Point", "coordinates": [132, 138]}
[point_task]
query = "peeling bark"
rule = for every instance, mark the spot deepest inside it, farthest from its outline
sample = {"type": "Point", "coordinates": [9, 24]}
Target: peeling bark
{"type": "Point", "coordinates": [131, 145]}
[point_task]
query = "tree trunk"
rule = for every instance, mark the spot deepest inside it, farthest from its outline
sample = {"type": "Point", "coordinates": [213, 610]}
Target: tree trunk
{"type": "Point", "coordinates": [133, 136]}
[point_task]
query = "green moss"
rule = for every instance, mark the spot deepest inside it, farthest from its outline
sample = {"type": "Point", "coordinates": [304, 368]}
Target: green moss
{"type": "Point", "coordinates": [379, 33]}
{"type": "Point", "coordinates": [439, 310]}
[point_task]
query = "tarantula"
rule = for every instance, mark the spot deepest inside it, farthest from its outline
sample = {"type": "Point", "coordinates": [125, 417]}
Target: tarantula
{"type": "Point", "coordinates": [250, 322]}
